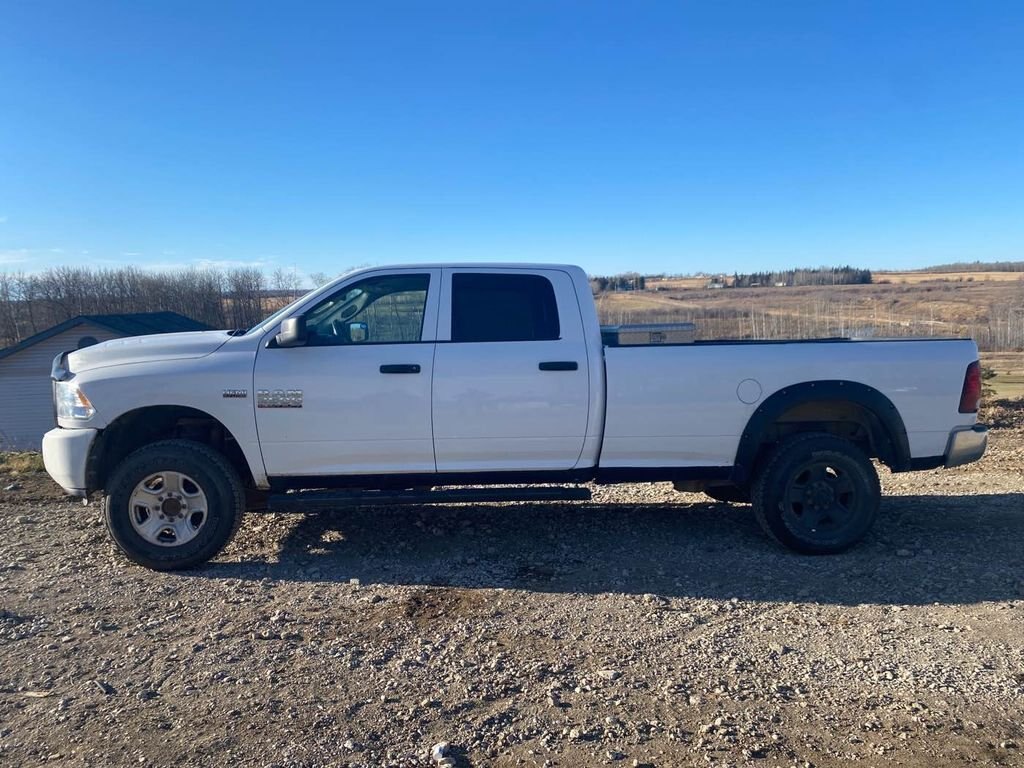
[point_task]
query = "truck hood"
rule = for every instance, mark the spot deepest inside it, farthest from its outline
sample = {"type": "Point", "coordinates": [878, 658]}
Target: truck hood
{"type": "Point", "coordinates": [144, 349]}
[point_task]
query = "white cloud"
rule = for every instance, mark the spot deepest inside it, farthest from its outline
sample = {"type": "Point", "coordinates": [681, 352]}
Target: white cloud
{"type": "Point", "coordinates": [15, 256]}
{"type": "Point", "coordinates": [232, 263]}
{"type": "Point", "coordinates": [221, 264]}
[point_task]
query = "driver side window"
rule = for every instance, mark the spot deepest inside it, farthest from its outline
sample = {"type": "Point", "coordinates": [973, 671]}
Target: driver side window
{"type": "Point", "coordinates": [387, 309]}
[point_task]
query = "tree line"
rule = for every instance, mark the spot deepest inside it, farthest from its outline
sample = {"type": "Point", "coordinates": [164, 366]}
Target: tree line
{"type": "Point", "coordinates": [978, 266]}
{"type": "Point", "coordinates": [234, 298]}
{"type": "Point", "coordinates": [239, 298]}
{"type": "Point", "coordinates": [629, 281]}
{"type": "Point", "coordinates": [790, 277]}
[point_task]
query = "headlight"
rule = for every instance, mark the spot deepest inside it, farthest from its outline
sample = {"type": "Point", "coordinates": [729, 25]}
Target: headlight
{"type": "Point", "coordinates": [71, 402]}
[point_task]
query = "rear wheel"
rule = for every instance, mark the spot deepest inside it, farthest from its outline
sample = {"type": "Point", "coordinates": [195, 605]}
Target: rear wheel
{"type": "Point", "coordinates": [173, 504]}
{"type": "Point", "coordinates": [817, 494]}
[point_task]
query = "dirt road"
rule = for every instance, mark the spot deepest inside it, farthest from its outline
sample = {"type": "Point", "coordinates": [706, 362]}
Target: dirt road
{"type": "Point", "coordinates": [652, 628]}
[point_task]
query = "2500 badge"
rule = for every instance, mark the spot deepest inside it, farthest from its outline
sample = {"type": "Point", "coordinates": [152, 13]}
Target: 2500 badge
{"type": "Point", "coordinates": [279, 398]}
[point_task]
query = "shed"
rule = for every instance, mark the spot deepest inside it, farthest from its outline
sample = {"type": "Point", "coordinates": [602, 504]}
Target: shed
{"type": "Point", "coordinates": [26, 399]}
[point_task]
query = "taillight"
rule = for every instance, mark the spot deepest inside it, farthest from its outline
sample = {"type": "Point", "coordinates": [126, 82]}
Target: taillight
{"type": "Point", "coordinates": [970, 397]}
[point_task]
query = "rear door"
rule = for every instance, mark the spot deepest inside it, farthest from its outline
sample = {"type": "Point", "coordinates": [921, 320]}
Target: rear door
{"type": "Point", "coordinates": [356, 398]}
{"type": "Point", "coordinates": [511, 382]}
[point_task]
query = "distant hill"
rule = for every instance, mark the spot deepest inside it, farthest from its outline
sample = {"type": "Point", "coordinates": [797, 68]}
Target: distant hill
{"type": "Point", "coordinates": [975, 266]}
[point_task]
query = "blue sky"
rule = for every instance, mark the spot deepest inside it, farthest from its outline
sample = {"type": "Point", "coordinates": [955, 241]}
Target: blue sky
{"type": "Point", "coordinates": [675, 137]}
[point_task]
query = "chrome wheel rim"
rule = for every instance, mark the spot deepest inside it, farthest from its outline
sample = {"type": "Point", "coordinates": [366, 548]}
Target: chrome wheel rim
{"type": "Point", "coordinates": [168, 509]}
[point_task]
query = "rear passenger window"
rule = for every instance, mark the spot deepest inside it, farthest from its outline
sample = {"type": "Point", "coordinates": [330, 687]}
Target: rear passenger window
{"type": "Point", "coordinates": [496, 307]}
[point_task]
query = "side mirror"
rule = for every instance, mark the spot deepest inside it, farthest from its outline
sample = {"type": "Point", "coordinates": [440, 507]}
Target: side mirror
{"type": "Point", "coordinates": [358, 332]}
{"type": "Point", "coordinates": [293, 332]}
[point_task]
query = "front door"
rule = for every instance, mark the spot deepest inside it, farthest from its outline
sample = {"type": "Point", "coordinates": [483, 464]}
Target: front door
{"type": "Point", "coordinates": [511, 386]}
{"type": "Point", "coordinates": [355, 399]}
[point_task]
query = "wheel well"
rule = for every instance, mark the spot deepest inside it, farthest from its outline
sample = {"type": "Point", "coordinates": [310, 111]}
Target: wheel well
{"type": "Point", "coordinates": [853, 411]}
{"type": "Point", "coordinates": [845, 419]}
{"type": "Point", "coordinates": [143, 426]}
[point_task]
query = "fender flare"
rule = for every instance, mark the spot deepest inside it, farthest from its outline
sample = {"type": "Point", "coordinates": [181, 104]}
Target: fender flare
{"type": "Point", "coordinates": [98, 451]}
{"type": "Point", "coordinates": [889, 432]}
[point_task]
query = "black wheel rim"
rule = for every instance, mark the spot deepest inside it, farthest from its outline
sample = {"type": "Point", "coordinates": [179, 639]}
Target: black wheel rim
{"type": "Point", "coordinates": [820, 499]}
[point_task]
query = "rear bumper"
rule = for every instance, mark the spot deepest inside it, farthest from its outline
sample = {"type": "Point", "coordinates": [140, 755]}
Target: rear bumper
{"type": "Point", "coordinates": [966, 444]}
{"type": "Point", "coordinates": [65, 456]}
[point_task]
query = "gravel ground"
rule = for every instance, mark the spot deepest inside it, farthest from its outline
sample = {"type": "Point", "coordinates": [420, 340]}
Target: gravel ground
{"type": "Point", "coordinates": [651, 628]}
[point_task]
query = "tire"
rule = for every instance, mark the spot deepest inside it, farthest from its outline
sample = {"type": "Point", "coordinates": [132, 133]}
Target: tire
{"type": "Point", "coordinates": [173, 504]}
{"type": "Point", "coordinates": [817, 494]}
{"type": "Point", "coordinates": [728, 493]}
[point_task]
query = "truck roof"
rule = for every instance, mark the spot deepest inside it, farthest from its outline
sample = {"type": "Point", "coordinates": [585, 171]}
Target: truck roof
{"type": "Point", "coordinates": [471, 265]}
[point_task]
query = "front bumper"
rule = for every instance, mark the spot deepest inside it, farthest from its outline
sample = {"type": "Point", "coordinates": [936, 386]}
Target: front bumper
{"type": "Point", "coordinates": [966, 444]}
{"type": "Point", "coordinates": [65, 456]}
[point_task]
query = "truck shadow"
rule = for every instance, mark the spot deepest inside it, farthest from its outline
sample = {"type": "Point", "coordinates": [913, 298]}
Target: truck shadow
{"type": "Point", "coordinates": [924, 549]}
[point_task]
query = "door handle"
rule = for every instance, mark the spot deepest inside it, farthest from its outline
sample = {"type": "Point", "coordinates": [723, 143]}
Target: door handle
{"type": "Point", "coordinates": [559, 365]}
{"type": "Point", "coordinates": [401, 368]}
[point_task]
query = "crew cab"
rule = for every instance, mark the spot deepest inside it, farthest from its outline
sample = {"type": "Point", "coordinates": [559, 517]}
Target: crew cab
{"type": "Point", "coordinates": [409, 383]}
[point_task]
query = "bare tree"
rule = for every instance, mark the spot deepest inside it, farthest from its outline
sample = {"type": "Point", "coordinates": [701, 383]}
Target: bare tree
{"type": "Point", "coordinates": [286, 282]}
{"type": "Point", "coordinates": [246, 286]}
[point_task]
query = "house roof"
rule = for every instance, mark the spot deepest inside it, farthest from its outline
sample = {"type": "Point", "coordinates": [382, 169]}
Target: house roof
{"type": "Point", "coordinates": [136, 324]}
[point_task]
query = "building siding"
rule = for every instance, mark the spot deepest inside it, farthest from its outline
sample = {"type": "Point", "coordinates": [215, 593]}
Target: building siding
{"type": "Point", "coordinates": [26, 401]}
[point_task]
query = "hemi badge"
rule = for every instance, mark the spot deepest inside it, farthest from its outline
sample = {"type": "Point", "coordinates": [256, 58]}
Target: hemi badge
{"type": "Point", "coordinates": [236, 393]}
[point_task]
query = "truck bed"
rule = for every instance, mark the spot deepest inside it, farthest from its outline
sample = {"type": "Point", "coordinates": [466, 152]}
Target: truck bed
{"type": "Point", "coordinates": [664, 405]}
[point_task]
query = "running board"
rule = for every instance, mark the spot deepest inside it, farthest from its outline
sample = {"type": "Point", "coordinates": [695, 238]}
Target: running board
{"type": "Point", "coordinates": [283, 502]}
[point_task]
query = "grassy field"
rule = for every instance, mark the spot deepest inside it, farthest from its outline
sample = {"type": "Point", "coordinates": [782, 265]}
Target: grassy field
{"type": "Point", "coordinates": [19, 463]}
{"type": "Point", "coordinates": [677, 283]}
{"type": "Point", "coordinates": [987, 306]}
{"type": "Point", "coordinates": [1009, 370]}
{"type": "Point", "coordinates": [915, 278]}
{"type": "Point", "coordinates": [1009, 386]}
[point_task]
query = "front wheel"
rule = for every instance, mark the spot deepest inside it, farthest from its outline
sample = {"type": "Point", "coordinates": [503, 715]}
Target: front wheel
{"type": "Point", "coordinates": [173, 504]}
{"type": "Point", "coordinates": [817, 494]}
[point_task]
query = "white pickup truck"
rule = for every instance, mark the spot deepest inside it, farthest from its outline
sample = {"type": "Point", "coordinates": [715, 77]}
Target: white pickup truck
{"type": "Point", "coordinates": [389, 384]}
